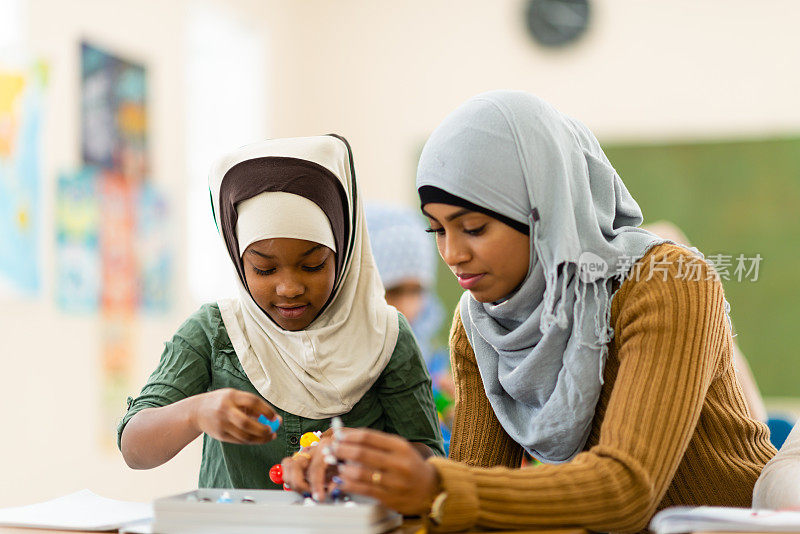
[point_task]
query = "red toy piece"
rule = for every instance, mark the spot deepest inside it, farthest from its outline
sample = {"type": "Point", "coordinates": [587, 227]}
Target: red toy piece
{"type": "Point", "coordinates": [276, 474]}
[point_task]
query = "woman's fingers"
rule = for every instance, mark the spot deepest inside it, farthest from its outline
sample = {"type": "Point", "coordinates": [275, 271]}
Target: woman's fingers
{"type": "Point", "coordinates": [388, 468]}
{"type": "Point", "coordinates": [370, 459]}
{"type": "Point", "coordinates": [374, 439]}
{"type": "Point", "coordinates": [369, 477]}
{"type": "Point", "coordinates": [377, 451]}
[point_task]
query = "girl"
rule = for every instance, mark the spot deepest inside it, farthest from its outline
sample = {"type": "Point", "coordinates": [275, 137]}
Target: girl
{"type": "Point", "coordinates": [310, 335]}
{"type": "Point", "coordinates": [595, 346]}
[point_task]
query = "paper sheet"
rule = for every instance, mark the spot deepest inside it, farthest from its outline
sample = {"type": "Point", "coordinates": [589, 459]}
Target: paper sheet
{"type": "Point", "coordinates": [82, 510]}
{"type": "Point", "coordinates": [678, 519]}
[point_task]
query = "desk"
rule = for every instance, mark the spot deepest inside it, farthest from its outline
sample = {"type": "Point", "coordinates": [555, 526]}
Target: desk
{"type": "Point", "coordinates": [410, 526]}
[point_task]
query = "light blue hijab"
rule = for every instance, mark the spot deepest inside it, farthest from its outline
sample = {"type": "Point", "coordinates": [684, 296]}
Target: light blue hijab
{"type": "Point", "coordinates": [542, 350]}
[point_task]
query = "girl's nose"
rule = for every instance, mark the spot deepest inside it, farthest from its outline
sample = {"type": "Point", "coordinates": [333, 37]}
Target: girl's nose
{"type": "Point", "coordinates": [288, 287]}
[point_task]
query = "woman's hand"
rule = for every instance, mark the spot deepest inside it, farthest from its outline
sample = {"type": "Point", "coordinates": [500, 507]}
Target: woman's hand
{"type": "Point", "coordinates": [232, 415]}
{"type": "Point", "coordinates": [388, 468]}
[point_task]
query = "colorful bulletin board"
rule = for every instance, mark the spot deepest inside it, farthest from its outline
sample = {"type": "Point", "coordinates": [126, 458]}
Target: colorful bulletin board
{"type": "Point", "coordinates": [20, 177]}
{"type": "Point", "coordinates": [113, 113]}
{"type": "Point", "coordinates": [124, 241]}
{"type": "Point", "coordinates": [77, 241]}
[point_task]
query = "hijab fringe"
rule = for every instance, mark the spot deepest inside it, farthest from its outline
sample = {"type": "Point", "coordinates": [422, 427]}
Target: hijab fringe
{"type": "Point", "coordinates": [554, 313]}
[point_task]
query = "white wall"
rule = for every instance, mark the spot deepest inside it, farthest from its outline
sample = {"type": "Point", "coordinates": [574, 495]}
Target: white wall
{"type": "Point", "coordinates": [50, 399]}
{"type": "Point", "coordinates": [383, 74]}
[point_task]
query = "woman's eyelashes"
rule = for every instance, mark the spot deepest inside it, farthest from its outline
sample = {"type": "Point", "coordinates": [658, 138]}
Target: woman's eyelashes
{"type": "Point", "coordinates": [475, 231]}
{"type": "Point", "coordinates": [470, 231]}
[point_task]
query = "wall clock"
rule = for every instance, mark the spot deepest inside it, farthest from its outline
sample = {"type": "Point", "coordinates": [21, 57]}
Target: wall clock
{"type": "Point", "coordinates": [557, 22]}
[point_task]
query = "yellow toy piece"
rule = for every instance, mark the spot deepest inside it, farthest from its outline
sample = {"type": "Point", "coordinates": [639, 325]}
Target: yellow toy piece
{"type": "Point", "coordinates": [308, 439]}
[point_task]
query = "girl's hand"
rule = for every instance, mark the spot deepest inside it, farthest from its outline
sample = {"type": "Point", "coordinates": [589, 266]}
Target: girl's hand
{"type": "Point", "coordinates": [232, 415]}
{"type": "Point", "coordinates": [388, 468]}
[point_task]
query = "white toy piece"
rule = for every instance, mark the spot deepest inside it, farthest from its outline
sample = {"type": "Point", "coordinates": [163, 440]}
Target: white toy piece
{"type": "Point", "coordinates": [328, 452]}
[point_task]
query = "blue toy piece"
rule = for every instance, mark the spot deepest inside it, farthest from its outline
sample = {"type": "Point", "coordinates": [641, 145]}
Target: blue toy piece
{"type": "Point", "coordinates": [225, 497]}
{"type": "Point", "coordinates": [272, 424]}
{"type": "Point", "coordinates": [336, 494]}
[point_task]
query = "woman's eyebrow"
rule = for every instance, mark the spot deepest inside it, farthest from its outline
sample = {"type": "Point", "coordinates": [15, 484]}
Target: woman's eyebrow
{"type": "Point", "coordinates": [452, 216]}
{"type": "Point", "coordinates": [459, 213]}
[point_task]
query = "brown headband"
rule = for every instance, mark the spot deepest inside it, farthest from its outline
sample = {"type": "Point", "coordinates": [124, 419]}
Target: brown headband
{"type": "Point", "coordinates": [289, 175]}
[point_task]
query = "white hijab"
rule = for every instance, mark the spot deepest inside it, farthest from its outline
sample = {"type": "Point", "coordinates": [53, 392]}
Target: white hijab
{"type": "Point", "coordinates": [326, 368]}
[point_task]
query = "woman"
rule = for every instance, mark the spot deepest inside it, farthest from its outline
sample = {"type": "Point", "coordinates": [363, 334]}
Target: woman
{"type": "Point", "coordinates": [593, 345]}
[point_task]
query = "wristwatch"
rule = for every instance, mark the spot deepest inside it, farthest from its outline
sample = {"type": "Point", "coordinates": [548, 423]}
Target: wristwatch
{"type": "Point", "coordinates": [437, 508]}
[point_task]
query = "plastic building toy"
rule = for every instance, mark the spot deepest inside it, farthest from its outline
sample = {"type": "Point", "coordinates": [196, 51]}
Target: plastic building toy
{"type": "Point", "coordinates": [272, 424]}
{"type": "Point", "coordinates": [309, 439]}
{"type": "Point", "coordinates": [276, 474]}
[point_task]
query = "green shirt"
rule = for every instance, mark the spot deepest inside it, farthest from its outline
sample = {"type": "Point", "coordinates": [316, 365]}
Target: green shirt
{"type": "Point", "coordinates": [201, 358]}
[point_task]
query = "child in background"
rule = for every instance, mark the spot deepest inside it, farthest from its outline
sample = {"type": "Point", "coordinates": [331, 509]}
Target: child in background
{"type": "Point", "coordinates": [309, 337]}
{"type": "Point", "coordinates": [406, 260]}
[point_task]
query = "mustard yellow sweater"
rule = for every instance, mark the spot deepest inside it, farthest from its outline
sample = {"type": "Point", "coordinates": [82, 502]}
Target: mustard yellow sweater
{"type": "Point", "coordinates": [671, 426]}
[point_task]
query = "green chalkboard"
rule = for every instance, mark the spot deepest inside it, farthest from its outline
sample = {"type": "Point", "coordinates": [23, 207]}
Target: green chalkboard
{"type": "Point", "coordinates": [735, 198]}
{"type": "Point", "coordinates": [730, 198]}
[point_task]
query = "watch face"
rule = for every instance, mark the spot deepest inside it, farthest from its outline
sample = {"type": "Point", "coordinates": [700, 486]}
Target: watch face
{"type": "Point", "coordinates": [557, 22]}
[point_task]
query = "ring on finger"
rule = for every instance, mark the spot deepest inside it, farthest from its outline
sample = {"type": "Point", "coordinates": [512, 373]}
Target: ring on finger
{"type": "Point", "coordinates": [376, 477]}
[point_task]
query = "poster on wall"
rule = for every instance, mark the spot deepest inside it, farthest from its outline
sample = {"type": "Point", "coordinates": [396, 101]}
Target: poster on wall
{"type": "Point", "coordinates": [113, 113]}
{"type": "Point", "coordinates": [117, 244]}
{"type": "Point", "coordinates": [118, 298]}
{"type": "Point", "coordinates": [116, 369]}
{"type": "Point", "coordinates": [154, 250]}
{"type": "Point", "coordinates": [78, 280]}
{"type": "Point", "coordinates": [114, 141]}
{"type": "Point", "coordinates": [20, 178]}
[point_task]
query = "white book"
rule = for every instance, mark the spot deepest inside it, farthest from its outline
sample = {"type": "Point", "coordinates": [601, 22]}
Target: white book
{"type": "Point", "coordinates": [82, 510]}
{"type": "Point", "coordinates": [217, 511]}
{"type": "Point", "coordinates": [679, 519]}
